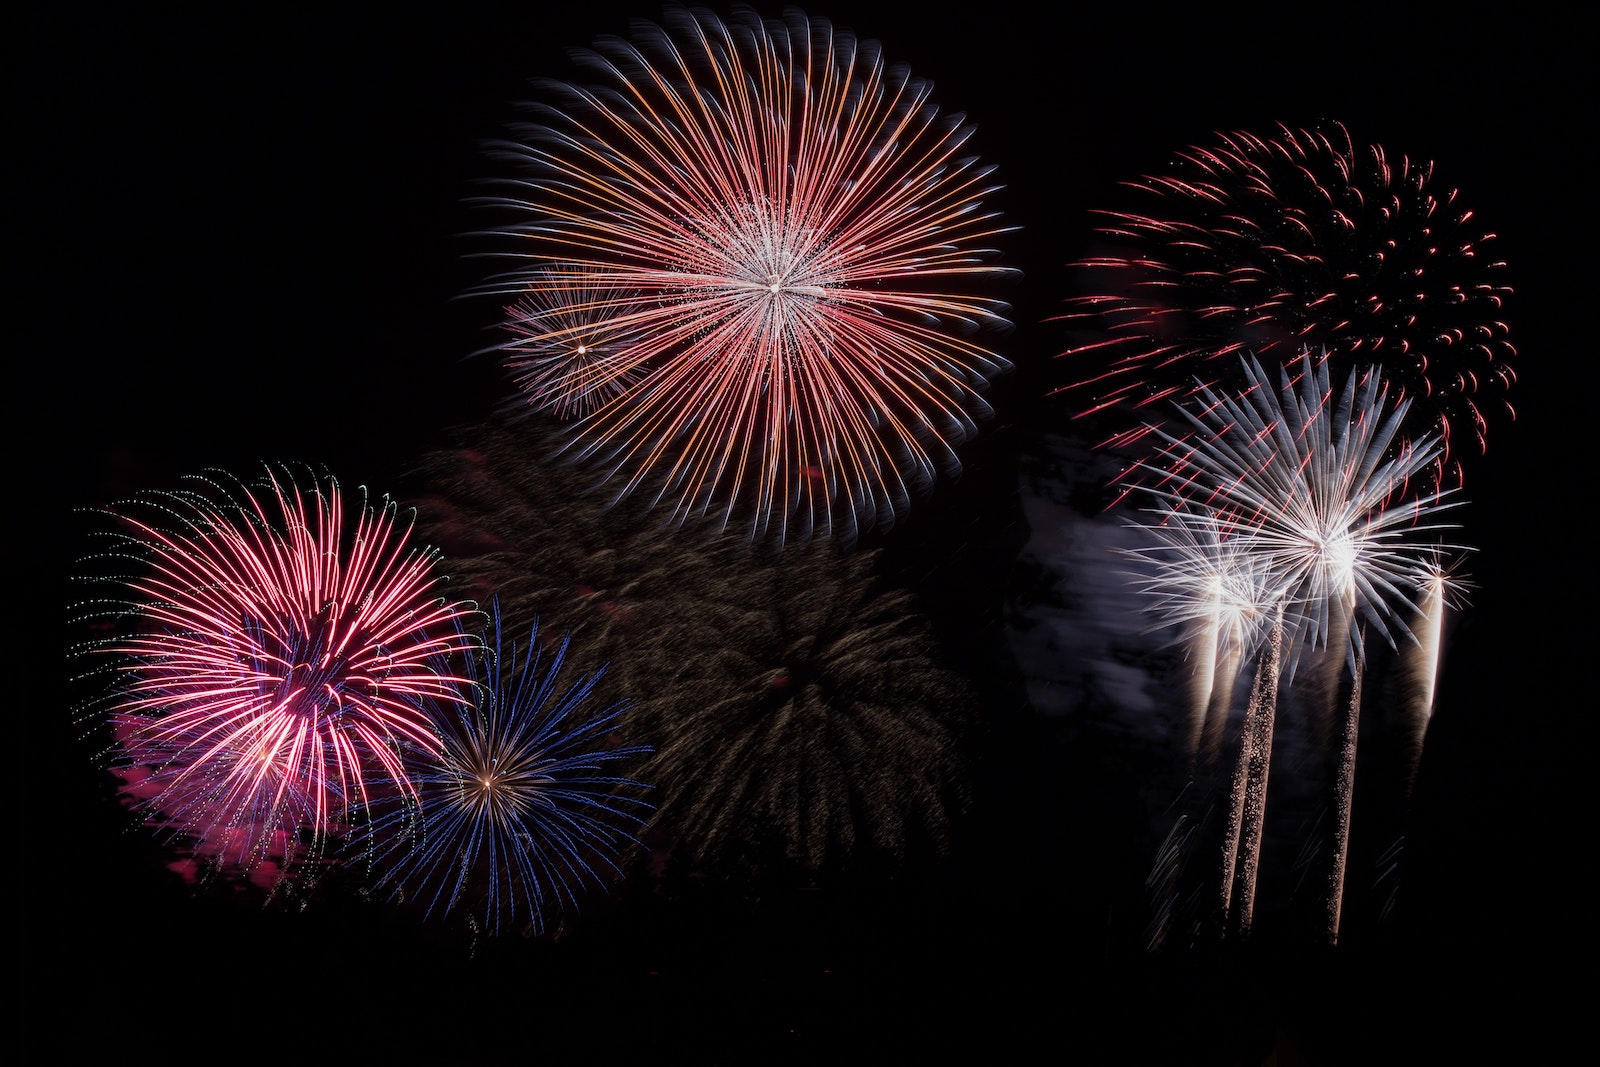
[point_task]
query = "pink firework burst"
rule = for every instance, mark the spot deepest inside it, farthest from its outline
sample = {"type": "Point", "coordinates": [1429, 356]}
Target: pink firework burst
{"type": "Point", "coordinates": [278, 658]}
{"type": "Point", "coordinates": [1274, 246]}
{"type": "Point", "coordinates": [233, 806]}
{"type": "Point", "coordinates": [801, 234]}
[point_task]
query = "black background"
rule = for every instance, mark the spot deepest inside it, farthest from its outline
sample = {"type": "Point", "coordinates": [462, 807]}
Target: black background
{"type": "Point", "coordinates": [240, 242]}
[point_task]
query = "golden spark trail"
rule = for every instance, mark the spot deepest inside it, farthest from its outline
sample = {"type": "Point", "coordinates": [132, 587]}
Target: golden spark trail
{"type": "Point", "coordinates": [1346, 784]}
{"type": "Point", "coordinates": [1241, 848]}
{"type": "Point", "coordinates": [1258, 727]}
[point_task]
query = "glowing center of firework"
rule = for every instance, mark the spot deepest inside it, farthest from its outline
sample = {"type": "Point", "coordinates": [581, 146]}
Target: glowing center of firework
{"type": "Point", "coordinates": [780, 287]}
{"type": "Point", "coordinates": [759, 250]}
{"type": "Point", "coordinates": [1336, 555]}
{"type": "Point", "coordinates": [490, 792]}
{"type": "Point", "coordinates": [789, 284]}
{"type": "Point", "coordinates": [314, 677]}
{"type": "Point", "coordinates": [310, 688]}
{"type": "Point", "coordinates": [1234, 601]}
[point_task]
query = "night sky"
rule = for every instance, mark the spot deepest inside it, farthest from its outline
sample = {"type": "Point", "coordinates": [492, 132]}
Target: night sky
{"type": "Point", "coordinates": [241, 242]}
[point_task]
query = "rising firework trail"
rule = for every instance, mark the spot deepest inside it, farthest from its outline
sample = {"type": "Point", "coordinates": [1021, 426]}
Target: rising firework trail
{"type": "Point", "coordinates": [1220, 597]}
{"type": "Point", "coordinates": [1307, 480]}
{"type": "Point", "coordinates": [1275, 245]}
{"type": "Point", "coordinates": [1419, 668]}
{"type": "Point", "coordinates": [1344, 796]}
{"type": "Point", "coordinates": [801, 238]}
{"type": "Point", "coordinates": [1241, 860]}
{"type": "Point", "coordinates": [266, 659]}
{"type": "Point", "coordinates": [1421, 662]}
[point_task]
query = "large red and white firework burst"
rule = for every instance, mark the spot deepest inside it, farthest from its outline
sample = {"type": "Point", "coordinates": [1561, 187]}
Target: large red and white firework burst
{"type": "Point", "coordinates": [794, 244]}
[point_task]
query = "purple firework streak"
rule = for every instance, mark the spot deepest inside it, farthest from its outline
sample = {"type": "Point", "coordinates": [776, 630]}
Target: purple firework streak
{"type": "Point", "coordinates": [1275, 246]}
{"type": "Point", "coordinates": [269, 656]}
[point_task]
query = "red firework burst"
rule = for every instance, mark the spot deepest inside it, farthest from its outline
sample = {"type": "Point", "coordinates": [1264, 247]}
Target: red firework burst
{"type": "Point", "coordinates": [278, 659]}
{"type": "Point", "coordinates": [1276, 247]}
{"type": "Point", "coordinates": [797, 232]}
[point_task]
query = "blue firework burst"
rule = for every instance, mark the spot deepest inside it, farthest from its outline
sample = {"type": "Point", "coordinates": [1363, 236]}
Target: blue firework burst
{"type": "Point", "coordinates": [522, 813]}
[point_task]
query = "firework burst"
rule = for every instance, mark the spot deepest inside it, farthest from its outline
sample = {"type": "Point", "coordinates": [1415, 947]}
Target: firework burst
{"type": "Point", "coordinates": [1288, 504]}
{"type": "Point", "coordinates": [1221, 593]}
{"type": "Point", "coordinates": [800, 707]}
{"type": "Point", "coordinates": [519, 814]}
{"type": "Point", "coordinates": [571, 338]}
{"type": "Point", "coordinates": [797, 707]}
{"type": "Point", "coordinates": [1273, 246]}
{"type": "Point", "coordinates": [799, 237]}
{"type": "Point", "coordinates": [521, 529]}
{"type": "Point", "coordinates": [268, 661]}
{"type": "Point", "coordinates": [1314, 482]}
